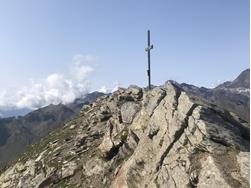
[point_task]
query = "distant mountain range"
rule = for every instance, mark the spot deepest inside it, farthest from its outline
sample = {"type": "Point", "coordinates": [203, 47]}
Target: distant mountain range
{"type": "Point", "coordinates": [16, 133]}
{"type": "Point", "coordinates": [232, 95]}
{"type": "Point", "coordinates": [14, 112]}
{"type": "Point", "coordinates": [241, 82]}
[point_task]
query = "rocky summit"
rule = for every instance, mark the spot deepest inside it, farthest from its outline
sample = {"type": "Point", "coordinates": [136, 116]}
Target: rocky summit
{"type": "Point", "coordinates": [165, 137]}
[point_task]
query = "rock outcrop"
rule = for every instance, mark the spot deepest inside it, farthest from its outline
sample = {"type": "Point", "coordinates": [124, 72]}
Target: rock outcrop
{"type": "Point", "coordinates": [165, 137]}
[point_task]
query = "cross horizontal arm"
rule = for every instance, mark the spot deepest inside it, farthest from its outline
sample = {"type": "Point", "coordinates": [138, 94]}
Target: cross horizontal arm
{"type": "Point", "coordinates": [149, 48]}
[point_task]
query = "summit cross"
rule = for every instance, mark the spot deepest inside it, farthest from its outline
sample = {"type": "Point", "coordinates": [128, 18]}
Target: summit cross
{"type": "Point", "coordinates": [148, 49]}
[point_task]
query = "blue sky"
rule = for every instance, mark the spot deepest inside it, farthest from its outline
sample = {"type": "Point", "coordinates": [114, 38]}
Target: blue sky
{"type": "Point", "coordinates": [199, 42]}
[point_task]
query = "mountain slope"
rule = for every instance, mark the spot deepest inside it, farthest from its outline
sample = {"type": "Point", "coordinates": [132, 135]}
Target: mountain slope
{"type": "Point", "coordinates": [166, 137]}
{"type": "Point", "coordinates": [25, 130]}
{"type": "Point", "coordinates": [17, 133]}
{"type": "Point", "coordinates": [232, 96]}
{"type": "Point", "coordinates": [242, 81]}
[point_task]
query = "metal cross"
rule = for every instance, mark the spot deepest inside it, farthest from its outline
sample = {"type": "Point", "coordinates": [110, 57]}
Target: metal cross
{"type": "Point", "coordinates": [149, 47]}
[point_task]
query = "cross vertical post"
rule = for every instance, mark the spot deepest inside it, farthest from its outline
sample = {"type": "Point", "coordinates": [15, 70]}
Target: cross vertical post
{"type": "Point", "coordinates": [149, 47]}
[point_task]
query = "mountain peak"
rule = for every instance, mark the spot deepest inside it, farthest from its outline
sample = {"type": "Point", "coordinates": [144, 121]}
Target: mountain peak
{"type": "Point", "coordinates": [137, 138]}
{"type": "Point", "coordinates": [242, 81]}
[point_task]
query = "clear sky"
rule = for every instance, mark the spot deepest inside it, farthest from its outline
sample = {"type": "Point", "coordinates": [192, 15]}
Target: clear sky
{"type": "Point", "coordinates": [200, 42]}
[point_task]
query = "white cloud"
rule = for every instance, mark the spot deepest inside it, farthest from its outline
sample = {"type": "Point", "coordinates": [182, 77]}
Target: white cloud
{"type": "Point", "coordinates": [110, 89]}
{"type": "Point", "coordinates": [103, 89]}
{"type": "Point", "coordinates": [116, 86]}
{"type": "Point", "coordinates": [55, 88]}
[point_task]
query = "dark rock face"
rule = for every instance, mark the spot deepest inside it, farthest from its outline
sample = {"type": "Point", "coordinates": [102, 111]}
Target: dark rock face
{"type": "Point", "coordinates": [166, 137]}
{"type": "Point", "coordinates": [4, 133]}
{"type": "Point", "coordinates": [17, 133]}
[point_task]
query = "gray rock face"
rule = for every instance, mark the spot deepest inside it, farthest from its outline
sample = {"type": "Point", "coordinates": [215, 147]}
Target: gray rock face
{"type": "Point", "coordinates": [135, 91]}
{"type": "Point", "coordinates": [152, 99]}
{"type": "Point", "coordinates": [69, 169]}
{"type": "Point", "coordinates": [165, 137]}
{"type": "Point", "coordinates": [128, 111]}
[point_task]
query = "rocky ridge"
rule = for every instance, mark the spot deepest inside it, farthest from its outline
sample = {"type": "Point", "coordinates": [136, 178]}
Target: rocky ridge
{"type": "Point", "coordinates": [166, 137]}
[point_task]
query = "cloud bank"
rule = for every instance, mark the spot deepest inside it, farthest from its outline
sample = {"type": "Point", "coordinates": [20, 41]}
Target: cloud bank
{"type": "Point", "coordinates": [54, 89]}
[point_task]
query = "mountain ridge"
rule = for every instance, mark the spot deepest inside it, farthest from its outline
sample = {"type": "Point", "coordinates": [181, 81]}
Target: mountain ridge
{"type": "Point", "coordinates": [16, 133]}
{"type": "Point", "coordinates": [167, 136]}
{"type": "Point", "coordinates": [232, 96]}
{"type": "Point", "coordinates": [242, 81]}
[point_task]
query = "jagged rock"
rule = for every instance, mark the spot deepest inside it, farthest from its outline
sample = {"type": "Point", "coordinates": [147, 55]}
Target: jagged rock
{"type": "Point", "coordinates": [210, 175]}
{"type": "Point", "coordinates": [243, 158]}
{"type": "Point", "coordinates": [80, 140]}
{"type": "Point", "coordinates": [52, 178]}
{"type": "Point", "coordinates": [125, 97]}
{"type": "Point", "coordinates": [106, 146]}
{"type": "Point", "coordinates": [104, 114]}
{"type": "Point", "coordinates": [152, 99]}
{"type": "Point", "coordinates": [95, 134]}
{"type": "Point", "coordinates": [20, 167]}
{"type": "Point", "coordinates": [135, 92]}
{"type": "Point", "coordinates": [93, 167]}
{"type": "Point", "coordinates": [69, 169]}
{"type": "Point", "coordinates": [113, 106]}
{"type": "Point", "coordinates": [128, 111]}
{"type": "Point", "coordinates": [166, 138]}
